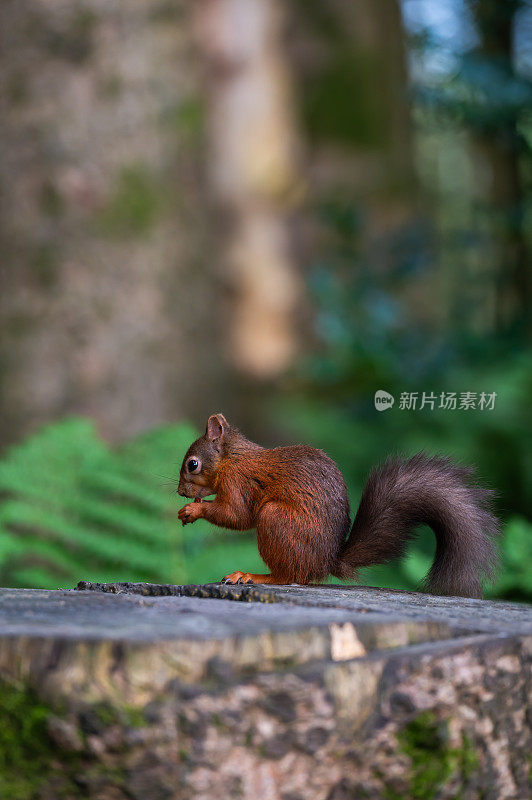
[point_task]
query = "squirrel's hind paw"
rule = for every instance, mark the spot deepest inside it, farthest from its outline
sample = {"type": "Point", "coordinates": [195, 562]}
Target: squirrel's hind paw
{"type": "Point", "coordinates": [238, 577]}
{"type": "Point", "coordinates": [249, 577]}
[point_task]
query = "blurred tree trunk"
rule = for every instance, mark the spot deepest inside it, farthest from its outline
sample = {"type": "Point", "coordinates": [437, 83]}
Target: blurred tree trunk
{"type": "Point", "coordinates": [499, 145]}
{"type": "Point", "coordinates": [108, 301]}
{"type": "Point", "coordinates": [353, 90]}
{"type": "Point", "coordinates": [254, 180]}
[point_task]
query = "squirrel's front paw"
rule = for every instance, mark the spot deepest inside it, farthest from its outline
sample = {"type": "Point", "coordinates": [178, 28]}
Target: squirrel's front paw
{"type": "Point", "coordinates": [190, 513]}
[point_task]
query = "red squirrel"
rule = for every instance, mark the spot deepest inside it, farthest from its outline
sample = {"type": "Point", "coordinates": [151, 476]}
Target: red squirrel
{"type": "Point", "coordinates": [296, 498]}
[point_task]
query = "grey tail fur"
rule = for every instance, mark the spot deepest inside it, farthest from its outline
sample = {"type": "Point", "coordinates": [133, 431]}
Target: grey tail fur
{"type": "Point", "coordinates": [404, 493]}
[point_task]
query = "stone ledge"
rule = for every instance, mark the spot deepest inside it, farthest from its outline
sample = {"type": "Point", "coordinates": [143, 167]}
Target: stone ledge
{"type": "Point", "coordinates": [314, 693]}
{"type": "Point", "coordinates": [213, 591]}
{"type": "Point", "coordinates": [461, 613]}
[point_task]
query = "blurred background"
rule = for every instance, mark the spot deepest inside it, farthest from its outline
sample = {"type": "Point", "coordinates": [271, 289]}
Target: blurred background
{"type": "Point", "coordinates": [270, 209]}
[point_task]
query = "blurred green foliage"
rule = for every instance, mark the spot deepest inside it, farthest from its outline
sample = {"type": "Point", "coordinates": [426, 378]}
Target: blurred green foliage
{"type": "Point", "coordinates": [339, 105]}
{"type": "Point", "coordinates": [492, 441]}
{"type": "Point", "coordinates": [368, 340]}
{"type": "Point", "coordinates": [437, 298]}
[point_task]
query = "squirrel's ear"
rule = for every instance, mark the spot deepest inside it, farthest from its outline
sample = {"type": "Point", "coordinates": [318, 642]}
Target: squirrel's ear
{"type": "Point", "coordinates": [216, 427]}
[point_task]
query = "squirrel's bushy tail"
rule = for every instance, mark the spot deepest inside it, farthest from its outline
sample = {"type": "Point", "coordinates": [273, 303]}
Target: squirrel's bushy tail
{"type": "Point", "coordinates": [405, 493]}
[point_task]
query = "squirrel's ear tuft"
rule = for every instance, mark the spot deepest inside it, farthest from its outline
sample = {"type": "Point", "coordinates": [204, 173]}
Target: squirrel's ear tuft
{"type": "Point", "coordinates": [216, 427]}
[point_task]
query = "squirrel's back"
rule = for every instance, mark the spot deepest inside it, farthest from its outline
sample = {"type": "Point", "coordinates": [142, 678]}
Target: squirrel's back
{"type": "Point", "coordinates": [300, 474]}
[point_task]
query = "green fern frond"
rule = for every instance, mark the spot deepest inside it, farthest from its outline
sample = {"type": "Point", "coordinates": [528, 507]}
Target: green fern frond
{"type": "Point", "coordinates": [71, 508]}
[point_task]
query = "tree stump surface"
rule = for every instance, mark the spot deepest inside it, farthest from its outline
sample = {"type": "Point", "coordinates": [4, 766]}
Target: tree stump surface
{"type": "Point", "coordinates": [147, 691]}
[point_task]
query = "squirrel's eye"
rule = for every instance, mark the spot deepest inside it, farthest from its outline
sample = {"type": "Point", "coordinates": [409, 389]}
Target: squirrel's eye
{"type": "Point", "coordinates": [193, 465]}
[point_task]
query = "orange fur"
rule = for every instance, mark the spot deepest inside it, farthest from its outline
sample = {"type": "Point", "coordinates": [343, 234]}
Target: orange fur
{"type": "Point", "coordinates": [300, 521]}
{"type": "Point", "coordinates": [296, 499]}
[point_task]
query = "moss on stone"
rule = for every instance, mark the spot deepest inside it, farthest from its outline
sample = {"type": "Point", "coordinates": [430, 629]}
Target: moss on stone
{"type": "Point", "coordinates": [248, 739]}
{"type": "Point", "coordinates": [106, 715]}
{"type": "Point", "coordinates": [133, 717]}
{"type": "Point", "coordinates": [425, 741]}
{"type": "Point", "coordinates": [26, 749]}
{"type": "Point", "coordinates": [33, 764]}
